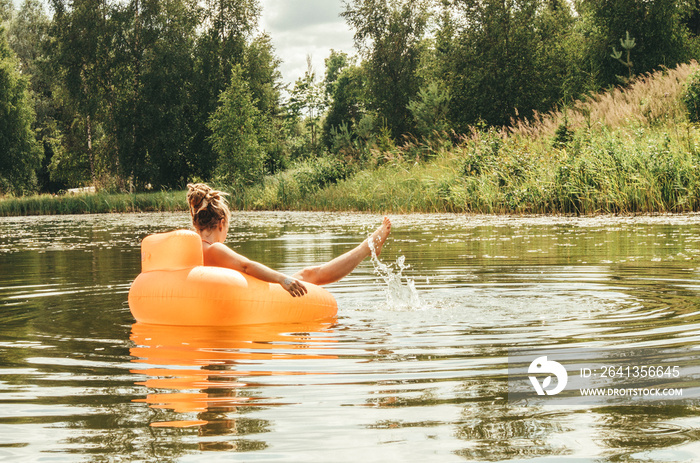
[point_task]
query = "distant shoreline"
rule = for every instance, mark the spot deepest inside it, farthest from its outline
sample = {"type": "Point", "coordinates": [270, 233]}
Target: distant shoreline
{"type": "Point", "coordinates": [92, 203]}
{"type": "Point", "coordinates": [174, 201]}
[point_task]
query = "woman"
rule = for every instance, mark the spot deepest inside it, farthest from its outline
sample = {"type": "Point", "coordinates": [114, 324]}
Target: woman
{"type": "Point", "coordinates": [210, 217]}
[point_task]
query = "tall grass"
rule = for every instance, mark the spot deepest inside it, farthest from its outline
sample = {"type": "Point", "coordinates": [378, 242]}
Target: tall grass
{"type": "Point", "coordinates": [635, 169]}
{"type": "Point", "coordinates": [603, 171]}
{"type": "Point", "coordinates": [93, 203]}
{"type": "Point", "coordinates": [650, 99]}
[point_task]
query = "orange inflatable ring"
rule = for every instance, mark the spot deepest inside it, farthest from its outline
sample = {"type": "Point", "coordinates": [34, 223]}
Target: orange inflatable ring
{"type": "Point", "coordinates": [175, 288]}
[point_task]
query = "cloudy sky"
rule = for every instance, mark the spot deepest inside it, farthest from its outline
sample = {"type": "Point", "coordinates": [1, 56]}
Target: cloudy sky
{"type": "Point", "coordinates": [305, 27]}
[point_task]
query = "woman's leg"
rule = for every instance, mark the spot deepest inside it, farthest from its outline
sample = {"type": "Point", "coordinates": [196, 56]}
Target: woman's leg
{"type": "Point", "coordinates": [342, 265]}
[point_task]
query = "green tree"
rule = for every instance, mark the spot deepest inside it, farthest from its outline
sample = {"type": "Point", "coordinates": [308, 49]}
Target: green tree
{"type": "Point", "coordinates": [235, 134]}
{"type": "Point", "coordinates": [660, 30]}
{"type": "Point", "coordinates": [557, 71]}
{"type": "Point", "coordinates": [28, 35]}
{"type": "Point", "coordinates": [388, 35]}
{"type": "Point", "coordinates": [20, 152]}
{"type": "Point", "coordinates": [308, 102]}
{"type": "Point", "coordinates": [156, 106]}
{"type": "Point", "coordinates": [139, 80]}
{"type": "Point", "coordinates": [502, 59]}
{"type": "Point", "coordinates": [128, 83]}
{"type": "Point", "coordinates": [221, 44]}
{"type": "Point", "coordinates": [336, 62]}
{"type": "Point", "coordinates": [261, 71]}
{"type": "Point", "coordinates": [346, 84]}
{"type": "Point", "coordinates": [81, 48]}
{"type": "Point", "coordinates": [627, 44]}
{"type": "Point", "coordinates": [430, 109]}
{"type": "Point", "coordinates": [6, 10]}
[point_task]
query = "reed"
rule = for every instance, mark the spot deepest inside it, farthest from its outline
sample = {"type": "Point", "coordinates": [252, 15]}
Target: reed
{"type": "Point", "coordinates": [163, 201]}
{"type": "Point", "coordinates": [638, 170]}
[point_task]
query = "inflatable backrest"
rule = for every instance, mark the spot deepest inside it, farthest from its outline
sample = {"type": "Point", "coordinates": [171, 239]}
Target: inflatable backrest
{"type": "Point", "coordinates": [175, 250]}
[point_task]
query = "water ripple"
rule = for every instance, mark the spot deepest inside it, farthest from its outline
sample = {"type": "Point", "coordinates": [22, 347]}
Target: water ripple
{"type": "Point", "coordinates": [414, 368]}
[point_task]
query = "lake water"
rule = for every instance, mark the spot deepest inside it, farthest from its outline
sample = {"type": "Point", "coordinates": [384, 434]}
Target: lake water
{"type": "Point", "coordinates": [415, 368]}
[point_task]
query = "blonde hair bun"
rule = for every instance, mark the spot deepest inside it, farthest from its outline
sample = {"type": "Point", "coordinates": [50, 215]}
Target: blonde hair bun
{"type": "Point", "coordinates": [207, 206]}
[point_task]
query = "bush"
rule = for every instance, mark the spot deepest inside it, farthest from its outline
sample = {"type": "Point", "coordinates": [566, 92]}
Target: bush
{"type": "Point", "coordinates": [691, 96]}
{"type": "Point", "coordinates": [482, 153]}
{"type": "Point", "coordinates": [322, 172]}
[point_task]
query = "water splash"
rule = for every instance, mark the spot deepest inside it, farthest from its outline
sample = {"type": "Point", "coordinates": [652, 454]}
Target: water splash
{"type": "Point", "coordinates": [401, 292]}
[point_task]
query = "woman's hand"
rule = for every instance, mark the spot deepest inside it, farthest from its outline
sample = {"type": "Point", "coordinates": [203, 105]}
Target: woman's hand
{"type": "Point", "coordinates": [293, 286]}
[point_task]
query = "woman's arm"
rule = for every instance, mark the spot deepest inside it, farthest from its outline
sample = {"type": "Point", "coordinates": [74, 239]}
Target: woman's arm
{"type": "Point", "coordinates": [220, 255]}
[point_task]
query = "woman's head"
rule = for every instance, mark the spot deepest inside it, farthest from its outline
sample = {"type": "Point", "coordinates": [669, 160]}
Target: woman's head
{"type": "Point", "coordinates": [207, 206]}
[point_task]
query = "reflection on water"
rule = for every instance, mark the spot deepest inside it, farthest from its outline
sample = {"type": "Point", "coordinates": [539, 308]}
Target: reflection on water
{"type": "Point", "coordinates": [218, 363]}
{"type": "Point", "coordinates": [210, 374]}
{"type": "Point", "coordinates": [413, 369]}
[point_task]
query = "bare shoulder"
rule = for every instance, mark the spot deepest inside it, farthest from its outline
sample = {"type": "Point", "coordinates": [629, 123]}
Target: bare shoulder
{"type": "Point", "coordinates": [220, 255]}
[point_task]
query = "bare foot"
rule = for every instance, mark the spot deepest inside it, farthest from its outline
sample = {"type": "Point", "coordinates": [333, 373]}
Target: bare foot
{"type": "Point", "coordinates": [377, 239]}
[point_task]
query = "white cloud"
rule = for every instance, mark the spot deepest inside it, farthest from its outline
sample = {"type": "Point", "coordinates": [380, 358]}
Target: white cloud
{"type": "Point", "coordinates": [305, 27]}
